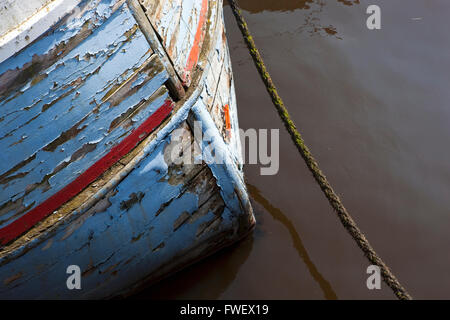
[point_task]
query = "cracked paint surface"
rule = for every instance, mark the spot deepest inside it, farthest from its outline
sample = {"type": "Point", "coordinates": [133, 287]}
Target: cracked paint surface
{"type": "Point", "coordinates": [83, 105]}
{"type": "Point", "coordinates": [149, 216]}
{"type": "Point", "coordinates": [182, 25]}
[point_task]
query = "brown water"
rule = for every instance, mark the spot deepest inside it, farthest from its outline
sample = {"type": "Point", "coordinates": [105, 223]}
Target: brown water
{"type": "Point", "coordinates": [374, 106]}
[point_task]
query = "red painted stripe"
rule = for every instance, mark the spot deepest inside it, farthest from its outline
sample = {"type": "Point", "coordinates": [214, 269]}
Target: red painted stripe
{"type": "Point", "coordinates": [32, 217]}
{"type": "Point", "coordinates": [194, 55]}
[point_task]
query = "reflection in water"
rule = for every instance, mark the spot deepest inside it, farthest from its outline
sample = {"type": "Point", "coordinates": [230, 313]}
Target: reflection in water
{"type": "Point", "coordinates": [278, 215]}
{"type": "Point", "coordinates": [208, 279]}
{"type": "Point", "coordinates": [284, 5]}
{"type": "Point", "coordinates": [311, 19]}
{"type": "Point", "coordinates": [375, 109]}
{"type": "Point", "coordinates": [273, 5]}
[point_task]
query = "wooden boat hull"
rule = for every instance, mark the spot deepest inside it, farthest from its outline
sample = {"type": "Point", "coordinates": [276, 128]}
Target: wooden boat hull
{"type": "Point", "coordinates": [91, 125]}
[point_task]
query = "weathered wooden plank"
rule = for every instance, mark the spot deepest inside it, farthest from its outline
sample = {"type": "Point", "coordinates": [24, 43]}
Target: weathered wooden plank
{"type": "Point", "coordinates": [88, 102]}
{"type": "Point", "coordinates": [220, 98]}
{"type": "Point", "coordinates": [174, 84]}
{"type": "Point", "coordinates": [47, 207]}
{"type": "Point", "coordinates": [144, 218]}
{"type": "Point", "coordinates": [13, 13]}
{"type": "Point", "coordinates": [24, 21]}
{"type": "Point", "coordinates": [26, 65]}
{"type": "Point", "coordinates": [182, 25]}
{"type": "Point", "coordinates": [224, 108]}
{"type": "Point", "coordinates": [146, 227]}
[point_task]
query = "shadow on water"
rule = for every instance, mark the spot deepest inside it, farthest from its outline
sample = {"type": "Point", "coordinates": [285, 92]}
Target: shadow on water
{"type": "Point", "coordinates": [208, 279]}
{"type": "Point", "coordinates": [278, 215]}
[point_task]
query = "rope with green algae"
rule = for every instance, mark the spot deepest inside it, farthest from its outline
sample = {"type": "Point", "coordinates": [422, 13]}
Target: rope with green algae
{"type": "Point", "coordinates": [334, 200]}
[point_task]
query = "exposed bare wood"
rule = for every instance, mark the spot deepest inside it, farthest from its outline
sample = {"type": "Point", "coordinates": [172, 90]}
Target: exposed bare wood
{"type": "Point", "coordinates": [174, 84]}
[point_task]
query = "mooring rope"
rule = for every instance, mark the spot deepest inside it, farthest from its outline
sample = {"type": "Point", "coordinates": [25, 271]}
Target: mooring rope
{"type": "Point", "coordinates": [345, 218]}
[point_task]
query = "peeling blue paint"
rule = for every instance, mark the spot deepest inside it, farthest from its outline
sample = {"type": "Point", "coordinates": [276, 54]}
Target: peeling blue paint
{"type": "Point", "coordinates": [36, 128]}
{"type": "Point", "coordinates": [117, 243]}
